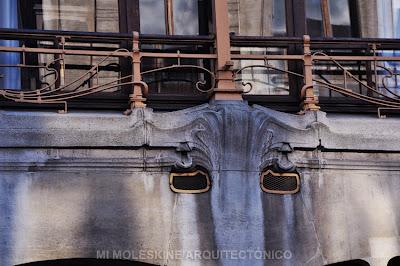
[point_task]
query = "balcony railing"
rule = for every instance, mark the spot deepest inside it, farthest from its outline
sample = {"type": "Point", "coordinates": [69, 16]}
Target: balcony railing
{"type": "Point", "coordinates": [312, 72]}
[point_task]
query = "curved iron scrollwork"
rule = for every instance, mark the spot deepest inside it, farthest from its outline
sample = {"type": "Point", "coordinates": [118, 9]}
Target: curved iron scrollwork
{"type": "Point", "coordinates": [53, 94]}
{"type": "Point", "coordinates": [199, 85]}
{"type": "Point", "coordinates": [382, 100]}
{"type": "Point", "coordinates": [265, 66]}
{"type": "Point", "coordinates": [387, 77]}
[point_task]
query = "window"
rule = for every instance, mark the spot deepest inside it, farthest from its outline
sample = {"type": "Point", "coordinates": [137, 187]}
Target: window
{"type": "Point", "coordinates": [173, 17]}
{"type": "Point", "coordinates": [330, 18]}
{"type": "Point", "coordinates": [9, 76]}
{"type": "Point", "coordinates": [388, 18]}
{"type": "Point", "coordinates": [170, 17]}
{"type": "Point", "coordinates": [258, 18]}
{"type": "Point", "coordinates": [67, 15]}
{"type": "Point", "coordinates": [152, 17]}
{"type": "Point", "coordinates": [70, 15]}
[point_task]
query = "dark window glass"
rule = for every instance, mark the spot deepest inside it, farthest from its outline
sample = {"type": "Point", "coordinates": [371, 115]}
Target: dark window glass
{"type": "Point", "coordinates": [339, 17]}
{"type": "Point", "coordinates": [339, 11]}
{"type": "Point", "coordinates": [314, 18]}
{"type": "Point", "coordinates": [279, 18]}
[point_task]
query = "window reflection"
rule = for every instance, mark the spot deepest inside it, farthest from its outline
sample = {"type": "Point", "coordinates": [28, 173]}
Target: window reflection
{"type": "Point", "coordinates": [388, 16]}
{"type": "Point", "coordinates": [67, 15]}
{"type": "Point", "coordinates": [152, 17]}
{"type": "Point", "coordinates": [73, 15]}
{"type": "Point", "coordinates": [172, 17]}
{"type": "Point", "coordinates": [263, 80]}
{"type": "Point", "coordinates": [9, 76]}
{"type": "Point", "coordinates": [396, 18]}
{"type": "Point", "coordinates": [338, 16]}
{"type": "Point", "coordinates": [314, 18]}
{"type": "Point", "coordinates": [258, 17]}
{"type": "Point", "coordinates": [173, 81]}
{"type": "Point", "coordinates": [279, 18]}
{"type": "Point", "coordinates": [185, 17]}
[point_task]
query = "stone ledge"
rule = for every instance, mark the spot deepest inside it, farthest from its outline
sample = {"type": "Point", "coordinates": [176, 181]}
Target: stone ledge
{"type": "Point", "coordinates": [147, 128]}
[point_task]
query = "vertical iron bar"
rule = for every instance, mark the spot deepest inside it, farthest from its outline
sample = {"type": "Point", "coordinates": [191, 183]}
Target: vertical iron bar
{"type": "Point", "coordinates": [310, 101]}
{"type": "Point", "coordinates": [136, 98]}
{"type": "Point", "coordinates": [225, 85]}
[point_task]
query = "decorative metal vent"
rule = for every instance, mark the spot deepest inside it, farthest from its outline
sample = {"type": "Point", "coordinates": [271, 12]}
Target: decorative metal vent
{"type": "Point", "coordinates": [192, 182]}
{"type": "Point", "coordinates": [280, 183]}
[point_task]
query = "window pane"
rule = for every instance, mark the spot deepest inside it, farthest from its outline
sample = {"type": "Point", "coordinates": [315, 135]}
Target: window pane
{"type": "Point", "coordinates": [340, 18]}
{"type": "Point", "coordinates": [71, 15]}
{"type": "Point", "coordinates": [314, 18]}
{"type": "Point", "coordinates": [279, 18]}
{"type": "Point", "coordinates": [339, 14]}
{"type": "Point", "coordinates": [263, 80]}
{"type": "Point", "coordinates": [152, 16]}
{"type": "Point", "coordinates": [107, 17]}
{"type": "Point", "coordinates": [396, 18]}
{"type": "Point", "coordinates": [66, 15]}
{"type": "Point", "coordinates": [388, 16]}
{"type": "Point", "coordinates": [258, 17]}
{"type": "Point", "coordinates": [186, 21]}
{"type": "Point", "coordinates": [9, 76]}
{"type": "Point", "coordinates": [174, 81]}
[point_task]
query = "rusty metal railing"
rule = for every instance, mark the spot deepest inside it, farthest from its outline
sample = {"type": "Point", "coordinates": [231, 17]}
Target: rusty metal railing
{"type": "Point", "coordinates": [385, 98]}
{"type": "Point", "coordinates": [217, 80]}
{"type": "Point", "coordinates": [59, 92]}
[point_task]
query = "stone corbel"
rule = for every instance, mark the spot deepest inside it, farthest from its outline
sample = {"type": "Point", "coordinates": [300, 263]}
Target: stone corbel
{"type": "Point", "coordinates": [186, 160]}
{"type": "Point", "coordinates": [277, 158]}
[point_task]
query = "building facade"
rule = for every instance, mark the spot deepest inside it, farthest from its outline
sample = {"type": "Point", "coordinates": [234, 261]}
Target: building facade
{"type": "Point", "coordinates": [199, 132]}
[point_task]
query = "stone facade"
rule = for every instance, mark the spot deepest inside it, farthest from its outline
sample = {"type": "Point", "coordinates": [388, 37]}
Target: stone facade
{"type": "Point", "coordinates": [78, 184]}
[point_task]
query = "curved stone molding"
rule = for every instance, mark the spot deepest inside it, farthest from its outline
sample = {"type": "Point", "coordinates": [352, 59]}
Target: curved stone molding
{"type": "Point", "coordinates": [218, 135]}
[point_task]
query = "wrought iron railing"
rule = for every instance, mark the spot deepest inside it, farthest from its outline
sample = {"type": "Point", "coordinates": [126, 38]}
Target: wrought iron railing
{"type": "Point", "coordinates": [308, 65]}
{"type": "Point", "coordinates": [339, 54]}
{"type": "Point", "coordinates": [60, 92]}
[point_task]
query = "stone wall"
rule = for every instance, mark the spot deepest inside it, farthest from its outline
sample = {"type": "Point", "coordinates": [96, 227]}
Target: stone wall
{"type": "Point", "coordinates": [84, 184]}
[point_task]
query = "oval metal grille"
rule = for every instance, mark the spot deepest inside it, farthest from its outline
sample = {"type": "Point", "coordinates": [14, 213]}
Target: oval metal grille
{"type": "Point", "coordinates": [194, 182]}
{"type": "Point", "coordinates": [280, 183]}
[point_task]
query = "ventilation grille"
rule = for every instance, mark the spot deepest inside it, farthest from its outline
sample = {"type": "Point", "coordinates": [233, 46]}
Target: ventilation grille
{"type": "Point", "coordinates": [280, 183]}
{"type": "Point", "coordinates": [193, 182]}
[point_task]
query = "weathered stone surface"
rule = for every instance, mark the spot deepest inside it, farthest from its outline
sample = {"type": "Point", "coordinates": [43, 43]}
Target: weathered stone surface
{"type": "Point", "coordinates": [78, 184]}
